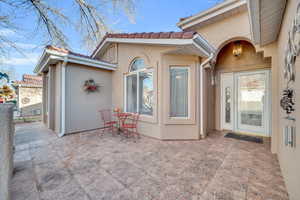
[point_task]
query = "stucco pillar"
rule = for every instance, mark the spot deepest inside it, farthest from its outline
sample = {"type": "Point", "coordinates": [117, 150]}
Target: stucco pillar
{"type": "Point", "coordinates": [44, 100]}
{"type": "Point", "coordinates": [51, 97]}
{"type": "Point", "coordinates": [6, 149]}
{"type": "Point", "coordinates": [275, 105]}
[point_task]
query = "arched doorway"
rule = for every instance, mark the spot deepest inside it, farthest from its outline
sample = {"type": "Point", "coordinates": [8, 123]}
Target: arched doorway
{"type": "Point", "coordinates": [243, 89]}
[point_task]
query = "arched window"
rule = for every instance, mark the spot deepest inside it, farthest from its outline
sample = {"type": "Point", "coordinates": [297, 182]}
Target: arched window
{"type": "Point", "coordinates": [137, 64]}
{"type": "Point", "coordinates": [139, 94]}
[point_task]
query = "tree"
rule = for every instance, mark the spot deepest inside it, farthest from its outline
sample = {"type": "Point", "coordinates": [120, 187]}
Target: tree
{"type": "Point", "coordinates": [49, 17]}
{"type": "Point", "coordinates": [10, 71]}
{"type": "Point", "coordinates": [6, 92]}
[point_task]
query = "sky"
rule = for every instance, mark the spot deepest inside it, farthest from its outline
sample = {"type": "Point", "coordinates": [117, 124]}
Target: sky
{"type": "Point", "coordinates": [150, 16]}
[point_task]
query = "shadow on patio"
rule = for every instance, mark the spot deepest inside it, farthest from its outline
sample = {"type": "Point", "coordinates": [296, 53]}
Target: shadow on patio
{"type": "Point", "coordinates": [90, 166]}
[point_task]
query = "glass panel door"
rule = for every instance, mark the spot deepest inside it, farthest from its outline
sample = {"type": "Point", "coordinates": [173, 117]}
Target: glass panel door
{"type": "Point", "coordinates": [251, 102]}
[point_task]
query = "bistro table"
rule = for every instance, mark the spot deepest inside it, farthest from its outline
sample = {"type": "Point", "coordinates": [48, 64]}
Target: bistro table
{"type": "Point", "coordinates": [122, 116]}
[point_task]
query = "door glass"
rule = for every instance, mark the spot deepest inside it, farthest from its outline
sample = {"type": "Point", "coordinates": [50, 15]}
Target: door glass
{"type": "Point", "coordinates": [227, 105]}
{"type": "Point", "coordinates": [251, 94]}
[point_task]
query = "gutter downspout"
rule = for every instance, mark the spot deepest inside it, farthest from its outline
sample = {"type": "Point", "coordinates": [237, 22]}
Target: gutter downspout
{"type": "Point", "coordinates": [202, 134]}
{"type": "Point", "coordinates": [63, 98]}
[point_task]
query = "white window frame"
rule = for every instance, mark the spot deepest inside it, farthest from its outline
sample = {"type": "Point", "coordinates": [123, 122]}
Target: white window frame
{"type": "Point", "coordinates": [137, 73]}
{"type": "Point", "coordinates": [189, 91]}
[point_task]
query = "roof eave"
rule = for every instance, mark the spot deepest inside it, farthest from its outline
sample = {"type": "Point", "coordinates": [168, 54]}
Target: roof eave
{"type": "Point", "coordinates": [49, 55]}
{"type": "Point", "coordinates": [257, 17]}
{"type": "Point", "coordinates": [197, 41]}
{"type": "Point", "coordinates": [211, 13]}
{"type": "Point", "coordinates": [160, 41]}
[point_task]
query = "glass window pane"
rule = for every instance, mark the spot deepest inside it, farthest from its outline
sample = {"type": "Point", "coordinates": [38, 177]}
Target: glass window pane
{"type": "Point", "coordinates": [252, 91]}
{"type": "Point", "coordinates": [137, 64]}
{"type": "Point", "coordinates": [131, 93]}
{"type": "Point", "coordinates": [178, 92]}
{"type": "Point", "coordinates": [146, 93]}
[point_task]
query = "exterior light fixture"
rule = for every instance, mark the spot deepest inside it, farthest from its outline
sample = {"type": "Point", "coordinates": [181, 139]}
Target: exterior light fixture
{"type": "Point", "coordinates": [237, 49]}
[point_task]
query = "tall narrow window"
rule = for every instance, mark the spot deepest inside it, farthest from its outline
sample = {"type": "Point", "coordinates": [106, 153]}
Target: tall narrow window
{"type": "Point", "coordinates": [139, 89]}
{"type": "Point", "coordinates": [179, 91]}
{"type": "Point", "coordinates": [131, 90]}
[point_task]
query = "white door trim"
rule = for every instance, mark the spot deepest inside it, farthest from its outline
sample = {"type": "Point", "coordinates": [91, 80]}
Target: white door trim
{"type": "Point", "coordinates": [266, 131]}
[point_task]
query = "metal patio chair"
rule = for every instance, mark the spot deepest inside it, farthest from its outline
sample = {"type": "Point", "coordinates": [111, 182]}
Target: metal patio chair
{"type": "Point", "coordinates": [129, 126]}
{"type": "Point", "coordinates": [109, 123]}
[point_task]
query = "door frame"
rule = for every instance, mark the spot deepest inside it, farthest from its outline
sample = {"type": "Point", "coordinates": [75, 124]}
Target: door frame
{"type": "Point", "coordinates": [234, 105]}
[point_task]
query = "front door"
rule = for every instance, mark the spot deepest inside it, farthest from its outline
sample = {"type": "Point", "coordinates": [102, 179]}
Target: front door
{"type": "Point", "coordinates": [245, 102]}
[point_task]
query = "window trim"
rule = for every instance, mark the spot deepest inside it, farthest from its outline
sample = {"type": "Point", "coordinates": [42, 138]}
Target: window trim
{"type": "Point", "coordinates": [188, 88]}
{"type": "Point", "coordinates": [137, 72]}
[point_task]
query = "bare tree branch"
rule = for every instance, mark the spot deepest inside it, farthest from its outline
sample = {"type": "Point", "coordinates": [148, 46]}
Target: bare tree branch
{"type": "Point", "coordinates": [51, 20]}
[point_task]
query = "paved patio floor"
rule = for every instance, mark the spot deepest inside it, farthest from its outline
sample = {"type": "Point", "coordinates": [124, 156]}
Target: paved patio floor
{"type": "Point", "coordinates": [86, 166]}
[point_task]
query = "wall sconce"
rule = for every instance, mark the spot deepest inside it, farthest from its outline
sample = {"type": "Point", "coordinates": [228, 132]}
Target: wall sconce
{"type": "Point", "coordinates": [237, 49]}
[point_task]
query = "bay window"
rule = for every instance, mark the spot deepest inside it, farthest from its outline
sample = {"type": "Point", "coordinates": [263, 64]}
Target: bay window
{"type": "Point", "coordinates": [139, 90]}
{"type": "Point", "coordinates": [179, 91]}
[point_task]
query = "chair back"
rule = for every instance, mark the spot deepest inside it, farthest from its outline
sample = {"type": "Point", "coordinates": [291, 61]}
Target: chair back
{"type": "Point", "coordinates": [106, 115]}
{"type": "Point", "coordinates": [135, 118]}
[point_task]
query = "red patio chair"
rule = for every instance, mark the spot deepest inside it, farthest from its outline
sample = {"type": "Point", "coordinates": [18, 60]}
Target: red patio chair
{"type": "Point", "coordinates": [109, 123]}
{"type": "Point", "coordinates": [129, 126]}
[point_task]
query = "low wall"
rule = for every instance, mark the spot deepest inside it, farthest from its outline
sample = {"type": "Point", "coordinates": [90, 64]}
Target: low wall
{"type": "Point", "coordinates": [6, 149]}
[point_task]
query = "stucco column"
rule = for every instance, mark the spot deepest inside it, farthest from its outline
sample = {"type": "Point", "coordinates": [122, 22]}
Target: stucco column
{"type": "Point", "coordinates": [6, 149]}
{"type": "Point", "coordinates": [44, 100]}
{"type": "Point", "coordinates": [63, 99]}
{"type": "Point", "coordinates": [51, 96]}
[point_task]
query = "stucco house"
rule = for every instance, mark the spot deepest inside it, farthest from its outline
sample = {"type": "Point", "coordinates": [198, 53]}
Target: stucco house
{"type": "Point", "coordinates": [29, 95]}
{"type": "Point", "coordinates": [226, 70]}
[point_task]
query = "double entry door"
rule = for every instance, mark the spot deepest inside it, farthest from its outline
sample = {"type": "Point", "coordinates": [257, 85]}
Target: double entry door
{"type": "Point", "coordinates": [245, 102]}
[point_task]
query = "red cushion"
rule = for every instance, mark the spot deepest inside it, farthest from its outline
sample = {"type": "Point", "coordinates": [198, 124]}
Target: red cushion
{"type": "Point", "coordinates": [110, 122]}
{"type": "Point", "coordinates": [129, 125]}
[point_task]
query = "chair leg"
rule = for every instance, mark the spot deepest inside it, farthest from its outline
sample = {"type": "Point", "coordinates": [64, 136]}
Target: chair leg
{"type": "Point", "coordinates": [115, 129]}
{"type": "Point", "coordinates": [137, 133]}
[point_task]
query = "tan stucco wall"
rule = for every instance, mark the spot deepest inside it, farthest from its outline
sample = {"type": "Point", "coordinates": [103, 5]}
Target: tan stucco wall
{"type": "Point", "coordinates": [218, 33]}
{"type": "Point", "coordinates": [157, 126]}
{"type": "Point", "coordinates": [82, 109]}
{"type": "Point", "coordinates": [173, 128]}
{"type": "Point", "coordinates": [289, 158]}
{"type": "Point", "coordinates": [110, 54]}
{"type": "Point", "coordinates": [237, 27]}
{"type": "Point", "coordinates": [30, 100]}
{"type": "Point", "coordinates": [149, 126]}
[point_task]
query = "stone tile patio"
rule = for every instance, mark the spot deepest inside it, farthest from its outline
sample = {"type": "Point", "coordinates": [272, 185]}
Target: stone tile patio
{"type": "Point", "coordinates": [88, 166]}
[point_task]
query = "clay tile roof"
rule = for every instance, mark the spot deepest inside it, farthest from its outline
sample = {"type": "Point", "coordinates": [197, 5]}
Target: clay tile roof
{"type": "Point", "coordinates": [63, 50]}
{"type": "Point", "coordinates": [31, 80]}
{"type": "Point", "coordinates": [158, 35]}
{"type": "Point", "coordinates": [150, 35]}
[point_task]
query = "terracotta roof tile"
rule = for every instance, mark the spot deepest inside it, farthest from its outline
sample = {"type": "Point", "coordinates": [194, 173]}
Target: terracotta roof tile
{"type": "Point", "coordinates": [155, 35]}
{"type": "Point", "coordinates": [187, 35]}
{"type": "Point", "coordinates": [63, 50]}
{"type": "Point", "coordinates": [150, 35]}
{"type": "Point", "coordinates": [31, 80]}
{"type": "Point", "coordinates": [158, 35]}
{"type": "Point", "coordinates": [177, 35]}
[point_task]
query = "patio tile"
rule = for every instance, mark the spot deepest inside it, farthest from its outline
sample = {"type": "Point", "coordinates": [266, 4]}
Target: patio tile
{"type": "Point", "coordinates": [125, 172]}
{"type": "Point", "coordinates": [27, 190]}
{"type": "Point", "coordinates": [91, 166]}
{"type": "Point", "coordinates": [99, 184]}
{"type": "Point", "coordinates": [147, 188]}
